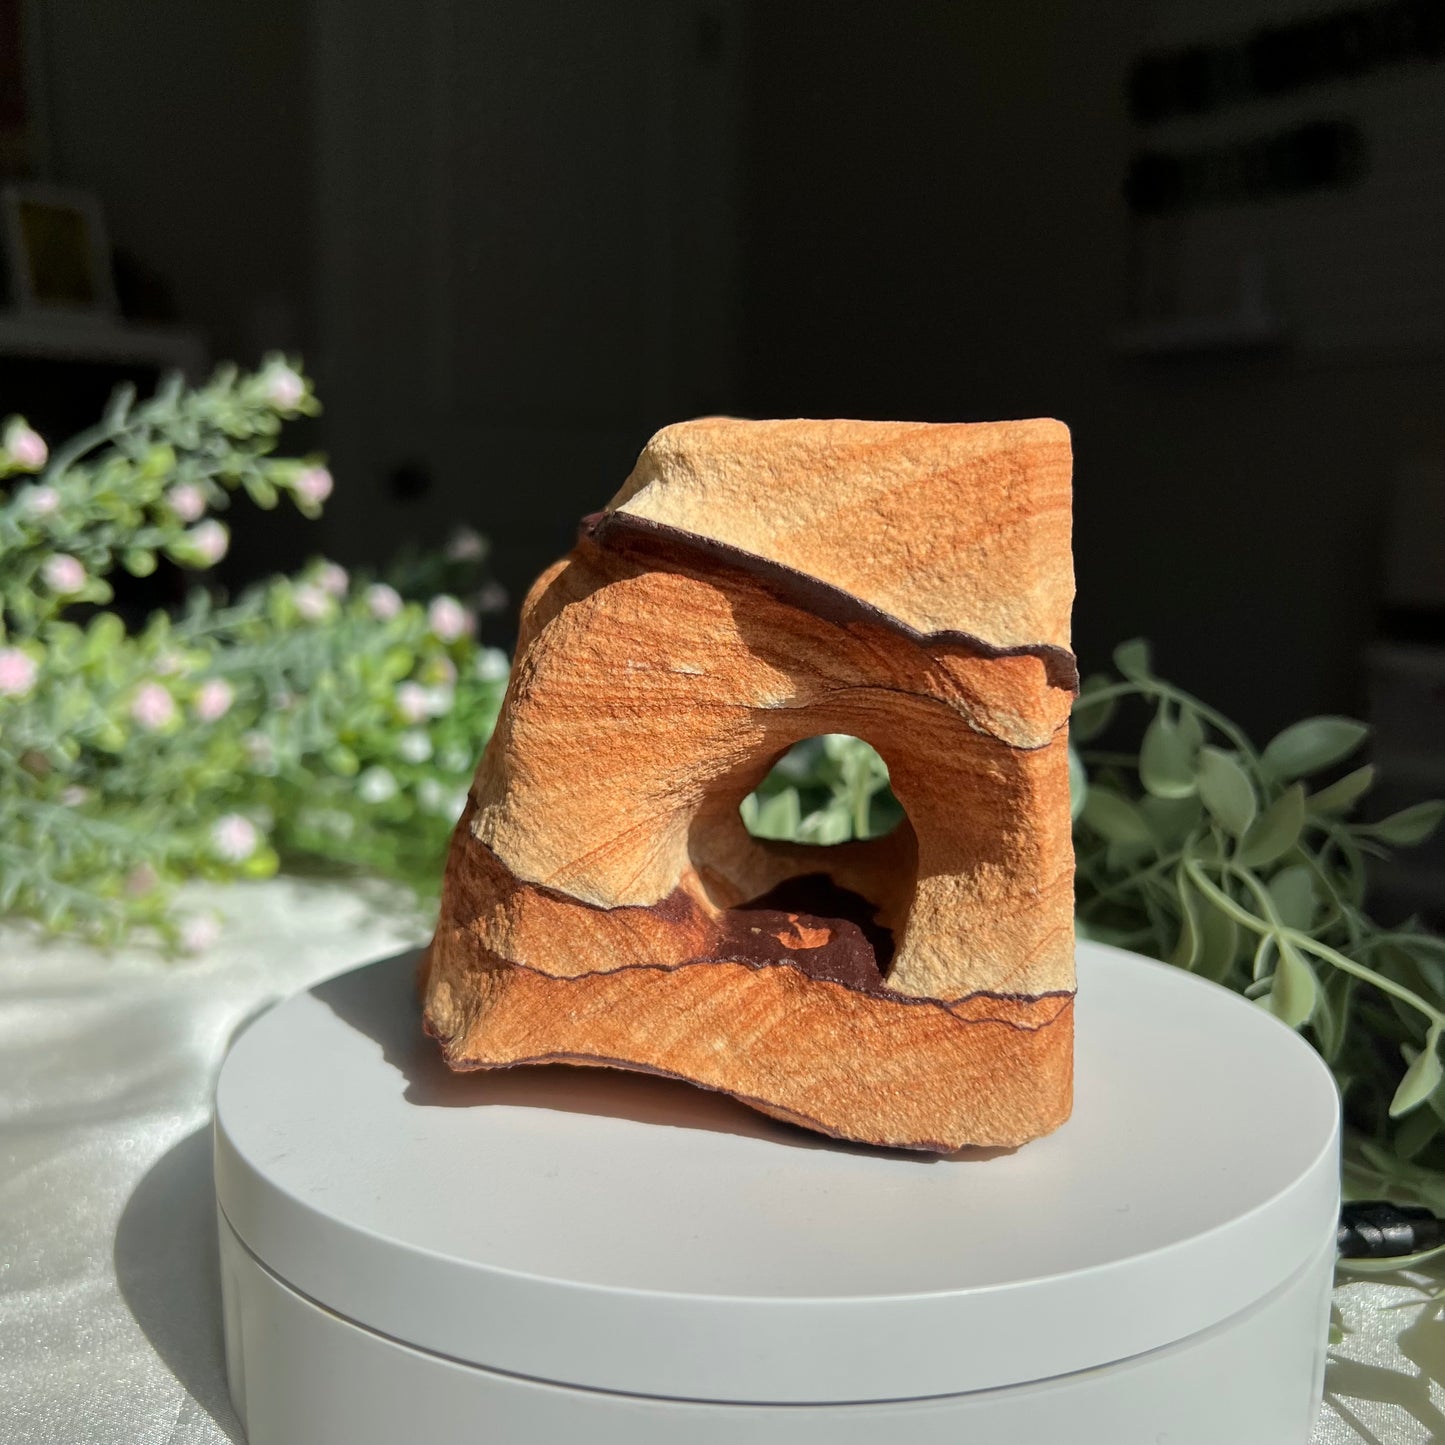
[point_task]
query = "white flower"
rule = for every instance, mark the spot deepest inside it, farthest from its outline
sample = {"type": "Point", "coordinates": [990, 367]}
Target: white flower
{"type": "Point", "coordinates": [234, 838]}
{"type": "Point", "coordinates": [18, 671]}
{"type": "Point", "coordinates": [63, 574]}
{"type": "Point", "coordinates": [187, 501]}
{"type": "Point", "coordinates": [74, 796]}
{"type": "Point", "coordinates": [439, 701]}
{"type": "Point", "coordinates": [153, 707]}
{"type": "Point", "coordinates": [284, 388]}
{"type": "Point", "coordinates": [39, 501]}
{"type": "Point", "coordinates": [208, 541]}
{"type": "Point", "coordinates": [448, 619]}
{"type": "Point", "coordinates": [455, 759]}
{"type": "Point", "coordinates": [200, 932]}
{"type": "Point", "coordinates": [383, 602]}
{"type": "Point", "coordinates": [312, 603]}
{"type": "Point", "coordinates": [376, 785]}
{"type": "Point", "coordinates": [492, 664]}
{"type": "Point", "coordinates": [333, 579]}
{"type": "Point", "coordinates": [214, 699]}
{"type": "Point", "coordinates": [466, 545]}
{"type": "Point", "coordinates": [26, 447]}
{"type": "Point", "coordinates": [170, 662]}
{"type": "Point", "coordinates": [414, 746]}
{"type": "Point", "coordinates": [314, 484]}
{"type": "Point", "coordinates": [436, 798]}
{"type": "Point", "coordinates": [492, 597]}
{"type": "Point", "coordinates": [411, 702]}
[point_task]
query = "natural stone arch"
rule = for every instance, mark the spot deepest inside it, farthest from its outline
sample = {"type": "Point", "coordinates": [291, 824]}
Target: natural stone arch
{"type": "Point", "coordinates": [602, 899]}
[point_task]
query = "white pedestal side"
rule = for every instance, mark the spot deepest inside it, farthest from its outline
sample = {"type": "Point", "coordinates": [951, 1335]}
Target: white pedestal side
{"type": "Point", "coordinates": [544, 1255]}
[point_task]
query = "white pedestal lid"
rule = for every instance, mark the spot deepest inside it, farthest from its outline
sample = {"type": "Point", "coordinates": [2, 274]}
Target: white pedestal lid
{"type": "Point", "coordinates": [635, 1235]}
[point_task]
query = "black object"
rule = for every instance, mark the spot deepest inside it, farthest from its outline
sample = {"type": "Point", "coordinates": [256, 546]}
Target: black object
{"type": "Point", "coordinates": [1377, 1229]}
{"type": "Point", "coordinates": [1281, 59]}
{"type": "Point", "coordinates": [1315, 156]}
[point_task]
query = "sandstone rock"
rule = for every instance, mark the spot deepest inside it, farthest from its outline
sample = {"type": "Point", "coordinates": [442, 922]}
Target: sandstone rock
{"type": "Point", "coordinates": [753, 584]}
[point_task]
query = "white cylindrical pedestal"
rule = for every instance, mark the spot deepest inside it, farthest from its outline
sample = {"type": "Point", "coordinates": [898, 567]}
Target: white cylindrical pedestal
{"type": "Point", "coordinates": [548, 1255]}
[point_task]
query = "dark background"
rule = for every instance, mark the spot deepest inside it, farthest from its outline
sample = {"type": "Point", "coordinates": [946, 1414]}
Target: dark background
{"type": "Point", "coordinates": [513, 238]}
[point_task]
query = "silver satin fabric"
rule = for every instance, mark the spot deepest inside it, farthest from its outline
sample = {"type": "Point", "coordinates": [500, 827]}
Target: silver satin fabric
{"type": "Point", "coordinates": [109, 1313]}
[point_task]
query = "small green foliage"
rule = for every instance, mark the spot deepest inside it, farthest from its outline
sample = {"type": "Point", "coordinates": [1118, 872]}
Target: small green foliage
{"type": "Point", "coordinates": [318, 719]}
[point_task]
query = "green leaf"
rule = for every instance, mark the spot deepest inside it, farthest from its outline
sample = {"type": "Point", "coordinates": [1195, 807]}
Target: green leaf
{"type": "Point", "coordinates": [1226, 790]}
{"type": "Point", "coordinates": [1171, 820]}
{"type": "Point", "coordinates": [1218, 942]}
{"type": "Point", "coordinates": [1132, 659]}
{"type": "Point", "coordinates": [1078, 786]}
{"type": "Point", "coordinates": [138, 561]}
{"type": "Point", "coordinates": [1409, 826]}
{"type": "Point", "coordinates": [1415, 1133]}
{"type": "Point", "coordinates": [1189, 944]}
{"type": "Point", "coordinates": [1166, 760]}
{"type": "Point", "coordinates": [1345, 792]}
{"type": "Point", "coordinates": [1089, 718]}
{"type": "Point", "coordinates": [1113, 817]}
{"type": "Point", "coordinates": [1292, 891]}
{"type": "Point", "coordinates": [1293, 994]}
{"type": "Point", "coordinates": [1192, 728]}
{"type": "Point", "coordinates": [778, 818]}
{"type": "Point", "coordinates": [1421, 1079]}
{"type": "Point", "coordinates": [1315, 743]}
{"type": "Point", "coordinates": [1276, 830]}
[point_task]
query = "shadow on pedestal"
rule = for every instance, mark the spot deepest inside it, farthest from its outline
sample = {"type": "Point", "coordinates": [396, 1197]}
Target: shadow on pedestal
{"type": "Point", "coordinates": [380, 1001]}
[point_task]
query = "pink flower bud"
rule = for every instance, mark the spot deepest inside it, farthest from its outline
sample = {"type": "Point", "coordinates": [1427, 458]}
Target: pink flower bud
{"type": "Point", "coordinates": [26, 447]}
{"type": "Point", "coordinates": [63, 574]}
{"type": "Point", "coordinates": [40, 501]}
{"type": "Point", "coordinates": [153, 707]}
{"type": "Point", "coordinates": [200, 932]}
{"type": "Point", "coordinates": [312, 603]}
{"type": "Point", "coordinates": [314, 485]}
{"type": "Point", "coordinates": [209, 542]}
{"type": "Point", "coordinates": [187, 501]}
{"type": "Point", "coordinates": [383, 602]}
{"type": "Point", "coordinates": [214, 699]}
{"type": "Point", "coordinates": [466, 545]}
{"type": "Point", "coordinates": [284, 388]}
{"type": "Point", "coordinates": [333, 579]}
{"type": "Point", "coordinates": [492, 598]}
{"type": "Point", "coordinates": [141, 880]}
{"type": "Point", "coordinates": [449, 620]}
{"type": "Point", "coordinates": [413, 702]}
{"type": "Point", "coordinates": [234, 837]}
{"type": "Point", "coordinates": [17, 672]}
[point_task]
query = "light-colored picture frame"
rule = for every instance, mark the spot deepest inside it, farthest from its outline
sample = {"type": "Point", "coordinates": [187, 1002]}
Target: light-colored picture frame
{"type": "Point", "coordinates": [57, 251]}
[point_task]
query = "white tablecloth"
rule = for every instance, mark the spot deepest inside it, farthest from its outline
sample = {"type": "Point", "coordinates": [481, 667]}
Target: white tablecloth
{"type": "Point", "coordinates": [109, 1314]}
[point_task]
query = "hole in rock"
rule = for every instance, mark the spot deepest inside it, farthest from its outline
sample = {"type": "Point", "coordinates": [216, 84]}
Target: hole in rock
{"type": "Point", "coordinates": [824, 790]}
{"type": "Point", "coordinates": [838, 918]}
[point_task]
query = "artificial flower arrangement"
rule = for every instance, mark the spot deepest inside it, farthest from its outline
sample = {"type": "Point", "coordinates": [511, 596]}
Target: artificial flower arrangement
{"type": "Point", "coordinates": [319, 717]}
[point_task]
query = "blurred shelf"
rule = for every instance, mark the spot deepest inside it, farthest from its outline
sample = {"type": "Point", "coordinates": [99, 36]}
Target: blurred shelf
{"type": "Point", "coordinates": [103, 340]}
{"type": "Point", "coordinates": [1190, 335]}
